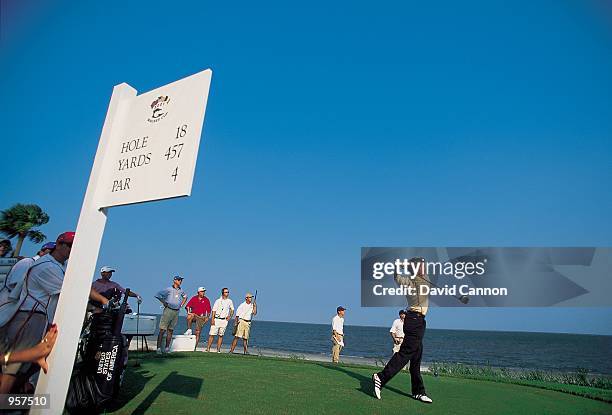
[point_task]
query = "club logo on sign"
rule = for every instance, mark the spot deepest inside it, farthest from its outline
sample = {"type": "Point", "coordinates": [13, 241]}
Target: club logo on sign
{"type": "Point", "coordinates": [159, 108]}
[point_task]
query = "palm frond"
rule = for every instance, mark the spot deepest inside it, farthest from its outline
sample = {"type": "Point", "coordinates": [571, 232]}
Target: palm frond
{"type": "Point", "coordinates": [36, 236]}
{"type": "Point", "coordinates": [21, 219]}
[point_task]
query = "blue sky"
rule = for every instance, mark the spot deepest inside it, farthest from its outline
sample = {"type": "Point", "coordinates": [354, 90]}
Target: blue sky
{"type": "Point", "coordinates": [329, 127]}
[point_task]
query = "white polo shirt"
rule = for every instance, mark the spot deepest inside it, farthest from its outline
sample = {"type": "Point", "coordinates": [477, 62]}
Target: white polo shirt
{"type": "Point", "coordinates": [221, 308]}
{"type": "Point", "coordinates": [44, 284]}
{"type": "Point", "coordinates": [398, 328]}
{"type": "Point", "coordinates": [245, 311]}
{"type": "Point", "coordinates": [19, 271]}
{"type": "Point", "coordinates": [338, 324]}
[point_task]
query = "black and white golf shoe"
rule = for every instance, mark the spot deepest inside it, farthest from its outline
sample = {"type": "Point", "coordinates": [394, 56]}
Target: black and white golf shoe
{"type": "Point", "coordinates": [377, 385]}
{"type": "Point", "coordinates": [423, 398]}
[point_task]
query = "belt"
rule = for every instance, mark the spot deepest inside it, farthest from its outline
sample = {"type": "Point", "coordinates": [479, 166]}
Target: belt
{"type": "Point", "coordinates": [219, 317]}
{"type": "Point", "coordinates": [173, 309]}
{"type": "Point", "coordinates": [244, 319]}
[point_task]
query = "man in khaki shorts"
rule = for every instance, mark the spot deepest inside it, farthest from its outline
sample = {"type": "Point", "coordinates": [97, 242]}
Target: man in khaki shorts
{"type": "Point", "coordinates": [397, 331]}
{"type": "Point", "coordinates": [173, 299]}
{"type": "Point", "coordinates": [338, 334]}
{"type": "Point", "coordinates": [244, 314]}
{"type": "Point", "coordinates": [198, 310]}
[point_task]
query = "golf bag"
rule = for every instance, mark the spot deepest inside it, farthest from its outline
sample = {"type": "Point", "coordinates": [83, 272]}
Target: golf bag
{"type": "Point", "coordinates": [96, 378]}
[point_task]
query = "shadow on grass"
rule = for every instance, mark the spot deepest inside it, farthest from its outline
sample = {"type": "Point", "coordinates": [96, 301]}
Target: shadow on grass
{"type": "Point", "coordinates": [173, 383]}
{"type": "Point", "coordinates": [134, 382]}
{"type": "Point", "coordinates": [365, 382]}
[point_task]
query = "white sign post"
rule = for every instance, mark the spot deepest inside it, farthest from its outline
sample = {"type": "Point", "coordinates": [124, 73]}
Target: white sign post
{"type": "Point", "coordinates": [147, 151]}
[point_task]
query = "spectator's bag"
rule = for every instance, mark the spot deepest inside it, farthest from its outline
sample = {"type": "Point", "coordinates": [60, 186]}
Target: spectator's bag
{"type": "Point", "coordinates": [96, 380]}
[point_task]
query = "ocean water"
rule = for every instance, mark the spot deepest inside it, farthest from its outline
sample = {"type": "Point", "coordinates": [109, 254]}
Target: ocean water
{"type": "Point", "coordinates": [519, 350]}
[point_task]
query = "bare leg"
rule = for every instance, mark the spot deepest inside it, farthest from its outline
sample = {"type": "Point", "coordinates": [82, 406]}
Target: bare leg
{"type": "Point", "coordinates": [219, 341]}
{"type": "Point", "coordinates": [189, 321]}
{"type": "Point", "coordinates": [234, 343]}
{"type": "Point", "coordinates": [210, 340]}
{"type": "Point", "coordinates": [7, 383]}
{"type": "Point", "coordinates": [160, 336]}
{"type": "Point", "coordinates": [197, 337]}
{"type": "Point", "coordinates": [169, 339]}
{"type": "Point", "coordinates": [245, 345]}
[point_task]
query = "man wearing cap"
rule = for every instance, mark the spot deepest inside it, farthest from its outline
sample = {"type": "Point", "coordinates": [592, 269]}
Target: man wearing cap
{"type": "Point", "coordinates": [108, 288]}
{"type": "Point", "coordinates": [198, 309]}
{"type": "Point", "coordinates": [173, 299]}
{"type": "Point", "coordinates": [5, 247]}
{"type": "Point", "coordinates": [222, 312]}
{"type": "Point", "coordinates": [244, 314]}
{"type": "Point", "coordinates": [35, 303]}
{"type": "Point", "coordinates": [397, 331]}
{"type": "Point", "coordinates": [337, 334]}
{"type": "Point", "coordinates": [19, 270]}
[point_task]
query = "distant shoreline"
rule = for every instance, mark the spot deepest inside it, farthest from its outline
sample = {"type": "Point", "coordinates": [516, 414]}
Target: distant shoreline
{"type": "Point", "coordinates": [285, 354]}
{"type": "Point", "coordinates": [429, 328]}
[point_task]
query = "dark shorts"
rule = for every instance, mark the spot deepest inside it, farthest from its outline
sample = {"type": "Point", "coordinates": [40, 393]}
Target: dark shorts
{"type": "Point", "coordinates": [20, 334]}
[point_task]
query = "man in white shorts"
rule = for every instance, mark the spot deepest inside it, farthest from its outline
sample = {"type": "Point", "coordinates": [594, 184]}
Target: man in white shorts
{"type": "Point", "coordinates": [222, 312]}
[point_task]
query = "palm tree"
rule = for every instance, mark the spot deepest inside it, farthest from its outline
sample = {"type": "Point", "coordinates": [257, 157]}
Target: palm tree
{"type": "Point", "coordinates": [20, 220]}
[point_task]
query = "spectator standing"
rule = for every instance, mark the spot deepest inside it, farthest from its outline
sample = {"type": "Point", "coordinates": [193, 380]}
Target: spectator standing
{"type": "Point", "coordinates": [244, 314]}
{"type": "Point", "coordinates": [173, 299]}
{"type": "Point", "coordinates": [338, 334]}
{"type": "Point", "coordinates": [198, 310]}
{"type": "Point", "coordinates": [222, 312]}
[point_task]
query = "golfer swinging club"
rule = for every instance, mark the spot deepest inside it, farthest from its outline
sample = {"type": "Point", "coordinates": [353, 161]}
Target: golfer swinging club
{"type": "Point", "coordinates": [414, 330]}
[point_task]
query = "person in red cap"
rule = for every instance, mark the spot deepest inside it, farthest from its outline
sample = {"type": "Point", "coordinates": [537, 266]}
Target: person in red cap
{"type": "Point", "coordinates": [35, 308]}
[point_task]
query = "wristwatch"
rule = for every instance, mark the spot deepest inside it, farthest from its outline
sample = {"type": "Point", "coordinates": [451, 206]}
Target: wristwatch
{"type": "Point", "coordinates": [7, 355]}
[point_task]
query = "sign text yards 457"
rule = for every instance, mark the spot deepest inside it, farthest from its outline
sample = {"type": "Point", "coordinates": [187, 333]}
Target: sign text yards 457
{"type": "Point", "coordinates": [153, 151]}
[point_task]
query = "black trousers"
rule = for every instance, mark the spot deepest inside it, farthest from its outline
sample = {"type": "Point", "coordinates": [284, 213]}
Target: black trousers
{"type": "Point", "coordinates": [410, 350]}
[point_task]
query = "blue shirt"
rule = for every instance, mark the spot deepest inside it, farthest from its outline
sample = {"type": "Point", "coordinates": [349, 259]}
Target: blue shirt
{"type": "Point", "coordinates": [173, 296]}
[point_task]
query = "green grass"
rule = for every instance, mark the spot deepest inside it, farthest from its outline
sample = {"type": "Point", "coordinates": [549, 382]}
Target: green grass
{"type": "Point", "coordinates": [190, 383]}
{"type": "Point", "coordinates": [580, 383]}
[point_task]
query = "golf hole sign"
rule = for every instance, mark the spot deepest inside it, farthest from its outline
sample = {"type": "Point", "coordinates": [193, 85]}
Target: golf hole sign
{"type": "Point", "coordinates": [153, 148]}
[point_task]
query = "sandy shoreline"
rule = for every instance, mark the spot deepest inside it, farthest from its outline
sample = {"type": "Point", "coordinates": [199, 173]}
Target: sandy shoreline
{"type": "Point", "coordinates": [257, 351]}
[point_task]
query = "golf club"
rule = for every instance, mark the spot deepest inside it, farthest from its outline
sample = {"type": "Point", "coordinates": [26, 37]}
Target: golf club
{"type": "Point", "coordinates": [137, 362]}
{"type": "Point", "coordinates": [253, 317]}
